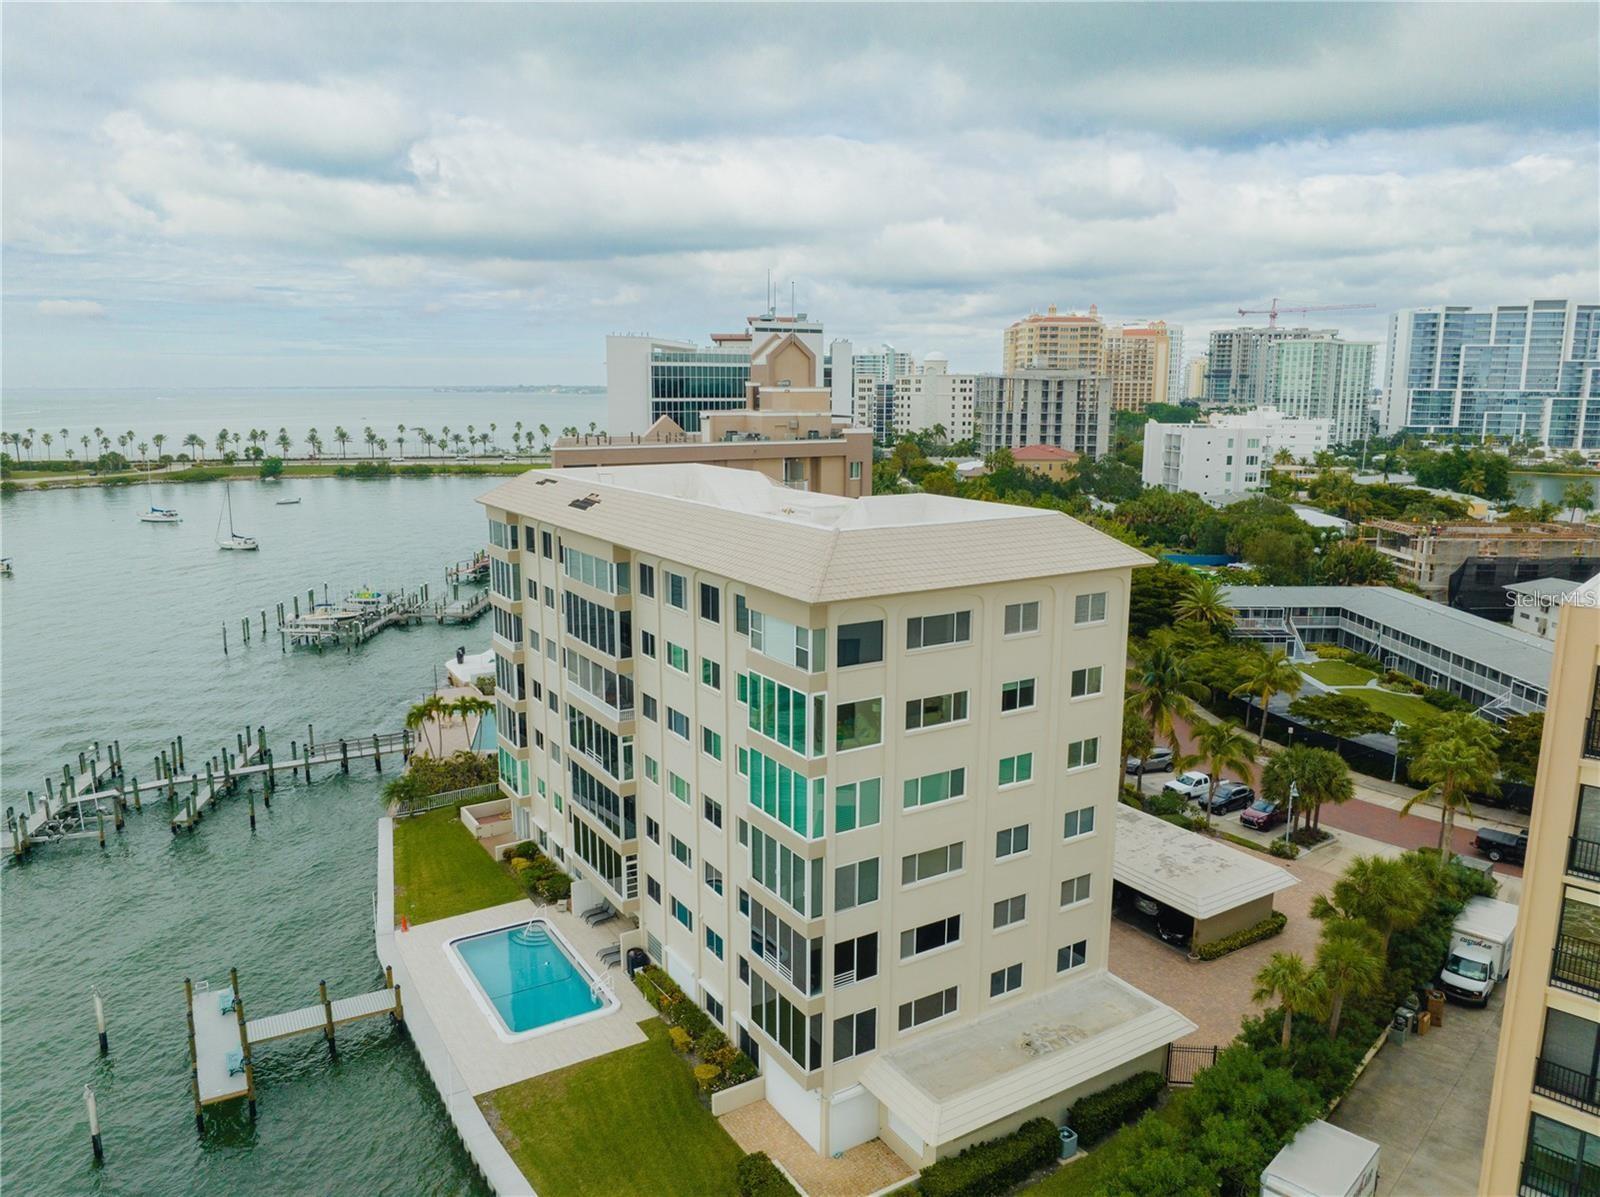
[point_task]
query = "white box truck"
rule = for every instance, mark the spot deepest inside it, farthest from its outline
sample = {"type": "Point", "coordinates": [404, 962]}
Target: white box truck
{"type": "Point", "coordinates": [1480, 950]}
{"type": "Point", "coordinates": [1323, 1160]}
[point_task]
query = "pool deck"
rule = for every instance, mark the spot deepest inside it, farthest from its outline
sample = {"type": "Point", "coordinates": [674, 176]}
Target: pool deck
{"type": "Point", "coordinates": [481, 1059]}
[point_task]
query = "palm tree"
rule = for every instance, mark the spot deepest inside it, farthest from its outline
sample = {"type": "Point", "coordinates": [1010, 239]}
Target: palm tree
{"type": "Point", "coordinates": [144, 452]}
{"type": "Point", "coordinates": [1316, 775]}
{"type": "Point", "coordinates": [430, 712]}
{"type": "Point", "coordinates": [444, 438]}
{"type": "Point", "coordinates": [158, 440]}
{"type": "Point", "coordinates": [1457, 757]}
{"type": "Point", "coordinates": [490, 441]}
{"type": "Point", "coordinates": [1386, 894]}
{"type": "Point", "coordinates": [469, 706]}
{"type": "Point", "coordinates": [427, 441]}
{"type": "Point", "coordinates": [222, 440]}
{"type": "Point", "coordinates": [1204, 603]}
{"type": "Point", "coordinates": [312, 440]}
{"type": "Point", "coordinates": [456, 439]}
{"type": "Point", "coordinates": [1296, 988]}
{"type": "Point", "coordinates": [284, 443]}
{"type": "Point", "coordinates": [371, 438]}
{"type": "Point", "coordinates": [400, 440]}
{"type": "Point", "coordinates": [1269, 673]}
{"type": "Point", "coordinates": [31, 434]}
{"type": "Point", "coordinates": [1349, 965]}
{"type": "Point", "coordinates": [82, 439]}
{"type": "Point", "coordinates": [48, 440]}
{"type": "Point", "coordinates": [341, 436]}
{"type": "Point", "coordinates": [1159, 685]}
{"type": "Point", "coordinates": [544, 433]}
{"type": "Point", "coordinates": [196, 442]}
{"type": "Point", "coordinates": [1223, 745]}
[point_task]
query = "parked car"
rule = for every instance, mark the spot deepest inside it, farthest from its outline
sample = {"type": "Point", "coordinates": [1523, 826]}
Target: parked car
{"type": "Point", "coordinates": [1158, 760]}
{"type": "Point", "coordinates": [1262, 814]}
{"type": "Point", "coordinates": [1230, 796]}
{"type": "Point", "coordinates": [1192, 784]}
{"type": "Point", "coordinates": [1502, 845]}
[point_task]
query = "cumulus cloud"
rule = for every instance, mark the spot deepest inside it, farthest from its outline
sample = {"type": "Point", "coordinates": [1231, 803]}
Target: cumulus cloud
{"type": "Point", "coordinates": [78, 309]}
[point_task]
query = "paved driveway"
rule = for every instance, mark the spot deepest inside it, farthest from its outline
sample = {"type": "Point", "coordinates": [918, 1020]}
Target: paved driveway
{"type": "Point", "coordinates": [1426, 1104]}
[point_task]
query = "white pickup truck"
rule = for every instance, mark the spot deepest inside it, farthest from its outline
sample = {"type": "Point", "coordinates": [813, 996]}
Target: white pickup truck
{"type": "Point", "coordinates": [1480, 950]}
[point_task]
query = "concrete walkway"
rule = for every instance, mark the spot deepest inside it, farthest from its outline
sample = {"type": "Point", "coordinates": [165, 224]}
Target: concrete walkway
{"type": "Point", "coordinates": [1426, 1104]}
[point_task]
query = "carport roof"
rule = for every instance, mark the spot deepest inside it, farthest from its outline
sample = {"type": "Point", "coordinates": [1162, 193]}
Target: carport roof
{"type": "Point", "coordinates": [1187, 871]}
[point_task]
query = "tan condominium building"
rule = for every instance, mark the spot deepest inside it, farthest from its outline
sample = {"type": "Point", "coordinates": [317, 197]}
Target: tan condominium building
{"type": "Point", "coordinates": [849, 769]}
{"type": "Point", "coordinates": [1137, 361]}
{"type": "Point", "coordinates": [786, 429]}
{"type": "Point", "coordinates": [1544, 1116]}
{"type": "Point", "coordinates": [1136, 357]}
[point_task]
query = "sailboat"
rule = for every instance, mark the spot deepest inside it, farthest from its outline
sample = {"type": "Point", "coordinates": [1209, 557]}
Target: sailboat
{"type": "Point", "coordinates": [233, 540]}
{"type": "Point", "coordinates": [154, 514]}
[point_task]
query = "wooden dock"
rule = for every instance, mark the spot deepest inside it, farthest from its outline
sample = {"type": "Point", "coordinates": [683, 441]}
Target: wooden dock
{"type": "Point", "coordinates": [188, 794]}
{"type": "Point", "coordinates": [463, 610]}
{"type": "Point", "coordinates": [222, 1041]}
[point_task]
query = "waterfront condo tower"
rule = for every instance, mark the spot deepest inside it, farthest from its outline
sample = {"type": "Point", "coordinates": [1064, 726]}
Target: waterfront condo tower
{"type": "Point", "coordinates": [849, 767]}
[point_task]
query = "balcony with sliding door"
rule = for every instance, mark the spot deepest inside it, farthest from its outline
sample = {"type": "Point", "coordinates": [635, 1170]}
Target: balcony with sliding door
{"type": "Point", "coordinates": [1575, 963]}
{"type": "Point", "coordinates": [1560, 1161]}
{"type": "Point", "coordinates": [1591, 725]}
{"type": "Point", "coordinates": [1568, 1067]}
{"type": "Point", "coordinates": [1583, 847]}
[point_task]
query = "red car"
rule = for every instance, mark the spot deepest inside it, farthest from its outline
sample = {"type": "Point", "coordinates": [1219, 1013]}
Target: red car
{"type": "Point", "coordinates": [1263, 814]}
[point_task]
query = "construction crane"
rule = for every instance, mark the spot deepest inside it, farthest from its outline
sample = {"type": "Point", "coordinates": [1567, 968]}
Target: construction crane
{"type": "Point", "coordinates": [1272, 313]}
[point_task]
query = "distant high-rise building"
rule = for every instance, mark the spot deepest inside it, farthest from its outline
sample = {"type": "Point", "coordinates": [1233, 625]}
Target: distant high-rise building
{"type": "Point", "coordinates": [1323, 378]}
{"type": "Point", "coordinates": [1176, 389]}
{"type": "Point", "coordinates": [933, 398]}
{"type": "Point", "coordinates": [874, 407]}
{"type": "Point", "coordinates": [884, 363]}
{"type": "Point", "coordinates": [1237, 366]}
{"type": "Point", "coordinates": [839, 374]}
{"type": "Point", "coordinates": [1070, 409]}
{"type": "Point", "coordinates": [1528, 370]}
{"type": "Point", "coordinates": [1137, 359]}
{"type": "Point", "coordinates": [1195, 378]}
{"type": "Point", "coordinates": [1055, 342]}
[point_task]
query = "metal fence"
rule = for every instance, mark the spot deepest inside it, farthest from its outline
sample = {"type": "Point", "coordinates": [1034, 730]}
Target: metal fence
{"type": "Point", "coordinates": [419, 806]}
{"type": "Point", "coordinates": [1186, 1061]}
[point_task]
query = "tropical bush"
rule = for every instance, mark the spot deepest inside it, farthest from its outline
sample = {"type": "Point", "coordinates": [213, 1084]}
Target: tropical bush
{"type": "Point", "coordinates": [1096, 1116]}
{"type": "Point", "coordinates": [693, 1026]}
{"type": "Point", "coordinates": [1283, 849]}
{"type": "Point", "coordinates": [544, 879]}
{"type": "Point", "coordinates": [758, 1176]}
{"type": "Point", "coordinates": [428, 775]}
{"type": "Point", "coordinates": [994, 1166]}
{"type": "Point", "coordinates": [1265, 929]}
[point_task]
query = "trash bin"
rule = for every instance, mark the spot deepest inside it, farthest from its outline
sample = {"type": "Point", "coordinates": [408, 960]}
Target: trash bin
{"type": "Point", "coordinates": [637, 959]}
{"type": "Point", "coordinates": [1069, 1142]}
{"type": "Point", "coordinates": [1436, 1006]}
{"type": "Point", "coordinates": [1403, 1024]}
{"type": "Point", "coordinates": [1424, 1023]}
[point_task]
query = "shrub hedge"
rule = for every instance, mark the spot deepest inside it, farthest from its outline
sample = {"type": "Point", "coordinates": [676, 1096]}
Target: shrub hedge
{"type": "Point", "coordinates": [540, 875]}
{"type": "Point", "coordinates": [995, 1166]}
{"type": "Point", "coordinates": [426, 776]}
{"type": "Point", "coordinates": [1265, 929]}
{"type": "Point", "coordinates": [758, 1176]}
{"type": "Point", "coordinates": [1096, 1116]}
{"type": "Point", "coordinates": [706, 1039]}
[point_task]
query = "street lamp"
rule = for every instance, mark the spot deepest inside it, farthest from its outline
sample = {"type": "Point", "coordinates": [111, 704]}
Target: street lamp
{"type": "Point", "coordinates": [1394, 730]}
{"type": "Point", "coordinates": [1294, 792]}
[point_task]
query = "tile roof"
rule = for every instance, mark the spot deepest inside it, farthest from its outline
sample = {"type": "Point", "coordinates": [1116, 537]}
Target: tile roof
{"type": "Point", "coordinates": [815, 548]}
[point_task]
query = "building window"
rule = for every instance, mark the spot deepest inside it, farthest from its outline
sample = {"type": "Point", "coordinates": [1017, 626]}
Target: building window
{"type": "Point", "coordinates": [855, 476]}
{"type": "Point", "coordinates": [711, 743]}
{"type": "Point", "coordinates": [677, 590]}
{"type": "Point", "coordinates": [926, 1009]}
{"type": "Point", "coordinates": [1072, 956]}
{"type": "Point", "coordinates": [1021, 618]}
{"type": "Point", "coordinates": [934, 788]}
{"type": "Point", "coordinates": [935, 710]}
{"type": "Point", "coordinates": [1005, 980]}
{"type": "Point", "coordinates": [1078, 822]}
{"type": "Point", "coordinates": [679, 787]}
{"type": "Point", "coordinates": [677, 657]}
{"type": "Point", "coordinates": [647, 644]}
{"type": "Point", "coordinates": [858, 724]}
{"type": "Point", "coordinates": [931, 863]}
{"type": "Point", "coordinates": [1014, 770]}
{"type": "Point", "coordinates": [652, 889]}
{"type": "Point", "coordinates": [1010, 841]}
{"type": "Point", "coordinates": [930, 937]}
{"type": "Point", "coordinates": [710, 673]}
{"type": "Point", "coordinates": [681, 851]}
{"type": "Point", "coordinates": [741, 615]}
{"type": "Point", "coordinates": [1074, 890]}
{"type": "Point", "coordinates": [714, 946]}
{"type": "Point", "coordinates": [855, 1034]}
{"type": "Point", "coordinates": [713, 811]}
{"type": "Point", "coordinates": [1016, 696]}
{"type": "Point", "coordinates": [935, 631]}
{"type": "Point", "coordinates": [855, 960]}
{"type": "Point", "coordinates": [652, 769]}
{"type": "Point", "coordinates": [857, 804]}
{"type": "Point", "coordinates": [678, 723]}
{"type": "Point", "coordinates": [710, 603]}
{"type": "Point", "coordinates": [860, 643]}
{"type": "Point", "coordinates": [1010, 911]}
{"type": "Point", "coordinates": [681, 913]}
{"type": "Point", "coordinates": [1086, 682]}
{"type": "Point", "coordinates": [652, 830]}
{"type": "Point", "coordinates": [647, 581]}
{"type": "Point", "coordinates": [1560, 1159]}
{"type": "Point", "coordinates": [855, 884]}
{"type": "Point", "coordinates": [1082, 754]}
{"type": "Point", "coordinates": [545, 545]}
{"type": "Point", "coordinates": [1089, 608]}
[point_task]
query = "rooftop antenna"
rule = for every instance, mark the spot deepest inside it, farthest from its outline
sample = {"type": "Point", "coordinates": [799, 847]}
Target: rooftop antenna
{"type": "Point", "coordinates": [791, 299]}
{"type": "Point", "coordinates": [770, 302]}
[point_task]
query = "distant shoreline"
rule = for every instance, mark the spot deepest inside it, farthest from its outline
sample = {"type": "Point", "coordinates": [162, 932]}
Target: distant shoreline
{"type": "Point", "coordinates": [20, 481]}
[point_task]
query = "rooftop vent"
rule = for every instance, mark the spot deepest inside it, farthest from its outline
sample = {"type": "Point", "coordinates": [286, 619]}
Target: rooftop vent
{"type": "Point", "coordinates": [585, 503]}
{"type": "Point", "coordinates": [544, 481]}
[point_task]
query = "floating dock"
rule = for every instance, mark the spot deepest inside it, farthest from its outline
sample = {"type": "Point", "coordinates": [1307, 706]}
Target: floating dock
{"type": "Point", "coordinates": [222, 1041]}
{"type": "Point", "coordinates": [463, 610]}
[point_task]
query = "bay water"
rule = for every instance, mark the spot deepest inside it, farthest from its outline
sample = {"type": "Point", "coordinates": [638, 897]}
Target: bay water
{"type": "Point", "coordinates": [110, 628]}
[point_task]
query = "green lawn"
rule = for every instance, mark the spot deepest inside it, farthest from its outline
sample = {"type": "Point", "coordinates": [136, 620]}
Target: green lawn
{"type": "Point", "coordinates": [627, 1122]}
{"type": "Point", "coordinates": [1088, 1174]}
{"type": "Point", "coordinates": [1338, 673]}
{"type": "Point", "coordinates": [439, 869]}
{"type": "Point", "coordinates": [1407, 708]}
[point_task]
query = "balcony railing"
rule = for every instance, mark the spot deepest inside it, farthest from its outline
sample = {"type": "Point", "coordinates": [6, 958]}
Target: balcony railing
{"type": "Point", "coordinates": [1591, 735]}
{"type": "Point", "coordinates": [1550, 1175]}
{"type": "Point", "coordinates": [1583, 858]}
{"type": "Point", "coordinates": [1575, 965]}
{"type": "Point", "coordinates": [1573, 1086]}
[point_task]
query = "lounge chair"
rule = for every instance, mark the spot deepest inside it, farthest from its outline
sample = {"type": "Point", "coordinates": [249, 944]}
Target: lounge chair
{"type": "Point", "coordinates": [609, 955]}
{"type": "Point", "coordinates": [602, 919]}
{"type": "Point", "coordinates": [593, 910]}
{"type": "Point", "coordinates": [235, 1062]}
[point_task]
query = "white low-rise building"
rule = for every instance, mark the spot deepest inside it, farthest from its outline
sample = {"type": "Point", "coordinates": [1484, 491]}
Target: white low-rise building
{"type": "Point", "coordinates": [1536, 604]}
{"type": "Point", "coordinates": [1230, 454]}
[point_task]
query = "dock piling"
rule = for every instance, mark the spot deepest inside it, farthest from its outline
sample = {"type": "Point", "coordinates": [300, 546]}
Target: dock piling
{"type": "Point", "coordinates": [377, 756]}
{"type": "Point", "coordinates": [137, 804]}
{"type": "Point", "coordinates": [252, 810]}
{"type": "Point", "coordinates": [194, 1058]}
{"type": "Point", "coordinates": [224, 639]}
{"type": "Point", "coordinates": [244, 1040]}
{"type": "Point", "coordinates": [94, 1125]}
{"type": "Point", "coordinates": [327, 1015]}
{"type": "Point", "coordinates": [344, 756]}
{"type": "Point", "coordinates": [179, 742]}
{"type": "Point", "coordinates": [100, 1021]}
{"type": "Point", "coordinates": [100, 821]}
{"type": "Point", "coordinates": [399, 1011]}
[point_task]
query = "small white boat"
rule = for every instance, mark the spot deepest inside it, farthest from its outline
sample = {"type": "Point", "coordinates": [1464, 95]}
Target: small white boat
{"type": "Point", "coordinates": [287, 502]}
{"type": "Point", "coordinates": [233, 540]}
{"type": "Point", "coordinates": [5, 567]}
{"type": "Point", "coordinates": [154, 514]}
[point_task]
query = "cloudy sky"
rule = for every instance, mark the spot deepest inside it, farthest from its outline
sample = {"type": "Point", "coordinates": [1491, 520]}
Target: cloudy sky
{"type": "Point", "coordinates": [371, 195]}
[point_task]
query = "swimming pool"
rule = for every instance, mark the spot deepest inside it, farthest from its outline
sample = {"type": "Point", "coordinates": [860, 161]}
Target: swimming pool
{"type": "Point", "coordinates": [528, 980]}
